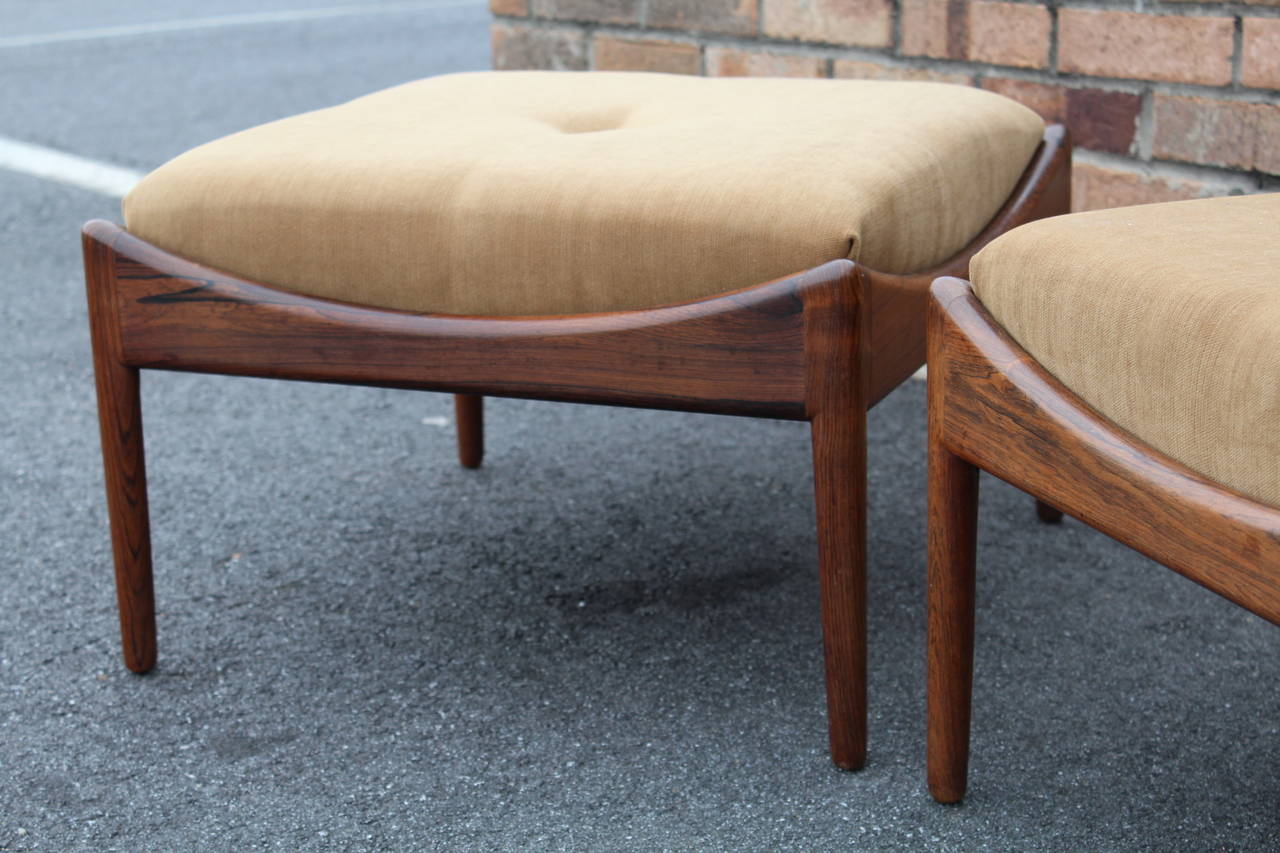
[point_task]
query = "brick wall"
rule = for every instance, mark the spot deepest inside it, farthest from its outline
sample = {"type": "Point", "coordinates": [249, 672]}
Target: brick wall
{"type": "Point", "coordinates": [1166, 100]}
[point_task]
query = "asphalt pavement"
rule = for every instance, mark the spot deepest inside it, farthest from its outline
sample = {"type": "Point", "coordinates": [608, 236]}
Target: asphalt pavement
{"type": "Point", "coordinates": [606, 639]}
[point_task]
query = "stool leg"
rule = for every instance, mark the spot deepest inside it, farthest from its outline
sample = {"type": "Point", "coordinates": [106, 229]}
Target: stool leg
{"type": "Point", "coordinates": [468, 411]}
{"type": "Point", "coordinates": [1047, 513]}
{"type": "Point", "coordinates": [124, 464]}
{"type": "Point", "coordinates": [840, 485]}
{"type": "Point", "coordinates": [120, 421]}
{"type": "Point", "coordinates": [953, 517]}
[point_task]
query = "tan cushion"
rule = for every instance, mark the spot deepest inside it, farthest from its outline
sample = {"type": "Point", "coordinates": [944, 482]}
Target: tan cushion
{"type": "Point", "coordinates": [1165, 318]}
{"type": "Point", "coordinates": [543, 192]}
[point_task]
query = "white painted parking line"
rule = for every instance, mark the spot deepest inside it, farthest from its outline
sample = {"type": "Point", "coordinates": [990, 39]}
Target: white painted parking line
{"type": "Point", "coordinates": [220, 21]}
{"type": "Point", "coordinates": [93, 175]}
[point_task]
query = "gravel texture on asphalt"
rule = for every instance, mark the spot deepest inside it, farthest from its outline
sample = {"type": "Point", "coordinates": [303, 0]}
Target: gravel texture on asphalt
{"type": "Point", "coordinates": [605, 639]}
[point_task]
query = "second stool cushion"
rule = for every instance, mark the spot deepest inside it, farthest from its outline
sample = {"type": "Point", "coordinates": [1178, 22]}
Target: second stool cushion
{"type": "Point", "coordinates": [1165, 318]}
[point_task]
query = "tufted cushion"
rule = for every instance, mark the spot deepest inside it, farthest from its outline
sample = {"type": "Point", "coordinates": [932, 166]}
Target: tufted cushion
{"type": "Point", "coordinates": [546, 193]}
{"type": "Point", "coordinates": [1165, 318]}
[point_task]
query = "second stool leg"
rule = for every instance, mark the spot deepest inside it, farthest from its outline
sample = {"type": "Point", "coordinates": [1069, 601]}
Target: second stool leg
{"type": "Point", "coordinates": [953, 516]}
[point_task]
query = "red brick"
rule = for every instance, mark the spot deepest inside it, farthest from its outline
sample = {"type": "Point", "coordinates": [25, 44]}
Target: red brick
{"type": "Point", "coordinates": [731, 62]}
{"type": "Point", "coordinates": [1095, 187]}
{"type": "Point", "coordinates": [616, 54]}
{"type": "Point", "coordinates": [1099, 119]}
{"type": "Point", "coordinates": [1102, 120]}
{"type": "Point", "coordinates": [1009, 34]}
{"type": "Point", "coordinates": [1145, 47]}
{"type": "Point", "coordinates": [924, 28]}
{"type": "Point", "coordinates": [519, 46]}
{"type": "Point", "coordinates": [1049, 101]}
{"type": "Point", "coordinates": [735, 17]}
{"type": "Point", "coordinates": [852, 68]}
{"type": "Point", "coordinates": [866, 23]}
{"type": "Point", "coordinates": [594, 11]}
{"type": "Point", "coordinates": [1260, 59]}
{"type": "Point", "coordinates": [1218, 133]}
{"type": "Point", "coordinates": [509, 7]}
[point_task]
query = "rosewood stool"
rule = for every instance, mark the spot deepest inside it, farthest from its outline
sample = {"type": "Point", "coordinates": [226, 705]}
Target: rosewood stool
{"type": "Point", "coordinates": [1121, 366]}
{"type": "Point", "coordinates": [584, 237]}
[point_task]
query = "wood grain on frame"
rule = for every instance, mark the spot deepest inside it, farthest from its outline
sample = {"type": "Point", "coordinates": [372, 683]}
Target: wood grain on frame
{"type": "Point", "coordinates": [737, 353]}
{"type": "Point", "coordinates": [1006, 414]}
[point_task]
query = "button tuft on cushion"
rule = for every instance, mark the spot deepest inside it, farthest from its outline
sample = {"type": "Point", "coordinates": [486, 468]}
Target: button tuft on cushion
{"type": "Point", "coordinates": [591, 122]}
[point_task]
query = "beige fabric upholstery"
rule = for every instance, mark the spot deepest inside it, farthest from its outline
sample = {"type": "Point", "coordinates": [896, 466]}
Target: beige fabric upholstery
{"type": "Point", "coordinates": [1165, 318]}
{"type": "Point", "coordinates": [544, 193]}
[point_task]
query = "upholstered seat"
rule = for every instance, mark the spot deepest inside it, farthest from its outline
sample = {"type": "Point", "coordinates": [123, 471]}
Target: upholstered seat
{"type": "Point", "coordinates": [558, 193]}
{"type": "Point", "coordinates": [1165, 318]}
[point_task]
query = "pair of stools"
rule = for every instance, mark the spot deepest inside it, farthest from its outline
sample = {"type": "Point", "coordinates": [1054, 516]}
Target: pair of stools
{"type": "Point", "coordinates": [602, 238]}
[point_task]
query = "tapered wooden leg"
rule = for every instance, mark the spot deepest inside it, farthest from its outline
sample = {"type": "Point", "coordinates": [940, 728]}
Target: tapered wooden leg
{"type": "Point", "coordinates": [953, 516]}
{"type": "Point", "coordinates": [1047, 513]}
{"type": "Point", "coordinates": [840, 483]}
{"type": "Point", "coordinates": [469, 413]}
{"type": "Point", "coordinates": [836, 391]}
{"type": "Point", "coordinates": [120, 422]}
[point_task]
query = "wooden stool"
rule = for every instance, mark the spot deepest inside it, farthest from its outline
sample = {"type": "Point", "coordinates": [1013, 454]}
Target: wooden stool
{"type": "Point", "coordinates": [597, 238]}
{"type": "Point", "coordinates": [1121, 366]}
